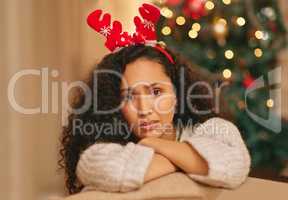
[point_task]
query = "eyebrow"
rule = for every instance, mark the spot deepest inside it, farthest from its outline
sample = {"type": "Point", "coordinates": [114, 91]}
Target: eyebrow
{"type": "Point", "coordinates": [129, 88]}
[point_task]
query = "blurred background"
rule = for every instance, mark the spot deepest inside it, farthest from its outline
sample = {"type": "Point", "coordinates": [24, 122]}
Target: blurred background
{"type": "Point", "coordinates": [238, 40]}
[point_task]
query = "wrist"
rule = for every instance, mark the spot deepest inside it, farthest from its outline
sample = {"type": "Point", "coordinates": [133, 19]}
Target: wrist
{"type": "Point", "coordinates": [165, 161]}
{"type": "Point", "coordinates": [154, 143]}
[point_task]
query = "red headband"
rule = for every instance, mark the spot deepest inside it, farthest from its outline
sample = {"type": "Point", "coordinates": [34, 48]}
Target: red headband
{"type": "Point", "coordinates": [145, 32]}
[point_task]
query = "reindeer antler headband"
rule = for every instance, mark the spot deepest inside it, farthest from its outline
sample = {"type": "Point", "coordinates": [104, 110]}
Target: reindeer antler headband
{"type": "Point", "coordinates": [145, 32]}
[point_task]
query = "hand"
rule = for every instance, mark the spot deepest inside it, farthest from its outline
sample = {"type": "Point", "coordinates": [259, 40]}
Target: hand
{"type": "Point", "coordinates": [160, 166]}
{"type": "Point", "coordinates": [181, 154]}
{"type": "Point", "coordinates": [144, 141]}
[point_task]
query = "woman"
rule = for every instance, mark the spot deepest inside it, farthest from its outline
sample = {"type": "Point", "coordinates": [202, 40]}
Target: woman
{"type": "Point", "coordinates": [162, 129]}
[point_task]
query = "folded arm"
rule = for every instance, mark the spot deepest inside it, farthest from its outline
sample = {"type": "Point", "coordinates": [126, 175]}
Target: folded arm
{"type": "Point", "coordinates": [214, 153]}
{"type": "Point", "coordinates": [113, 167]}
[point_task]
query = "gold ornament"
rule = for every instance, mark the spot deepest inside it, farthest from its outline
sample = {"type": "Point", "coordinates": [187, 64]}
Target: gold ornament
{"type": "Point", "coordinates": [241, 105]}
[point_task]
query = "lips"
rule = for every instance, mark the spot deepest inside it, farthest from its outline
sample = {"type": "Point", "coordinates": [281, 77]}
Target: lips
{"type": "Point", "coordinates": [149, 125]}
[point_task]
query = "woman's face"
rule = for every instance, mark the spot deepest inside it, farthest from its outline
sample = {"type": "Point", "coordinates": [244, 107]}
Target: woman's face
{"type": "Point", "coordinates": [148, 99]}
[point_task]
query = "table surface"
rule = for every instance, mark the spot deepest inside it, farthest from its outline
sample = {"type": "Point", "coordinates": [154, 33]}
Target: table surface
{"type": "Point", "coordinates": [255, 188]}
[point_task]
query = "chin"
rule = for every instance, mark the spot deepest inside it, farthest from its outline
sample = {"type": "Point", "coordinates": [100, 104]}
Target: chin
{"type": "Point", "coordinates": [150, 134]}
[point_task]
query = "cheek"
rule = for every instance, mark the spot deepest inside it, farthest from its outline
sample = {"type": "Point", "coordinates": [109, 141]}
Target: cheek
{"type": "Point", "coordinates": [131, 117]}
{"type": "Point", "coordinates": [165, 105]}
{"type": "Point", "coordinates": [128, 113]}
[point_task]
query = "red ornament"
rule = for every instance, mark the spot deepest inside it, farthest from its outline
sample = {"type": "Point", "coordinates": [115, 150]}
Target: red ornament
{"type": "Point", "coordinates": [248, 80]}
{"type": "Point", "coordinates": [194, 8]}
{"type": "Point", "coordinates": [173, 2]}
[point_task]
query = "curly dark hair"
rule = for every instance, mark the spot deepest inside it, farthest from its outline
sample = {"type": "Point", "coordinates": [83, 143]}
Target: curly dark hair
{"type": "Point", "coordinates": [73, 142]}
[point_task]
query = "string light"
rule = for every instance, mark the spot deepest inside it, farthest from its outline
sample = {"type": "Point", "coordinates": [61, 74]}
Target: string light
{"type": "Point", "coordinates": [209, 5]}
{"type": "Point", "coordinates": [270, 103]}
{"type": "Point", "coordinates": [241, 21]}
{"type": "Point", "coordinates": [166, 30]}
{"type": "Point", "coordinates": [196, 27]}
{"type": "Point", "coordinates": [226, 2]}
{"type": "Point", "coordinates": [193, 34]}
{"type": "Point", "coordinates": [227, 73]}
{"type": "Point", "coordinates": [180, 20]}
{"type": "Point", "coordinates": [229, 54]}
{"type": "Point", "coordinates": [259, 35]}
{"type": "Point", "coordinates": [166, 12]}
{"type": "Point", "coordinates": [258, 52]}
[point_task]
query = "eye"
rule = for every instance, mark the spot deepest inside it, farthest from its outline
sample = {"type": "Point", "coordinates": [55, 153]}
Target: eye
{"type": "Point", "coordinates": [156, 91]}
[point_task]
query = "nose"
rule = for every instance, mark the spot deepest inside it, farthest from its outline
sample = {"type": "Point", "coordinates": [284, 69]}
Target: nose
{"type": "Point", "coordinates": [145, 106]}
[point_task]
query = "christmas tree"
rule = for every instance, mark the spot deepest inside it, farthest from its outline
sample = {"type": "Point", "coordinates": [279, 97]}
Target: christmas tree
{"type": "Point", "coordinates": [238, 40]}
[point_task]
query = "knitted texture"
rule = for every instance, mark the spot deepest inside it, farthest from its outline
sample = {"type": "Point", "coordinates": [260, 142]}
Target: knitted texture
{"type": "Point", "coordinates": [220, 143]}
{"type": "Point", "coordinates": [113, 167]}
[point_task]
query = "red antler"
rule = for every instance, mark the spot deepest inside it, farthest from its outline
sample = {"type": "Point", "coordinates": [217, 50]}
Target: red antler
{"type": "Point", "coordinates": [150, 15]}
{"type": "Point", "coordinates": [145, 27]}
{"type": "Point", "coordinates": [101, 26]}
{"type": "Point", "coordinates": [114, 35]}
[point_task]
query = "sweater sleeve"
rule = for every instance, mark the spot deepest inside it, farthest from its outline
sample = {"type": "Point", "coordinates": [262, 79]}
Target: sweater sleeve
{"type": "Point", "coordinates": [219, 142]}
{"type": "Point", "coordinates": [113, 167]}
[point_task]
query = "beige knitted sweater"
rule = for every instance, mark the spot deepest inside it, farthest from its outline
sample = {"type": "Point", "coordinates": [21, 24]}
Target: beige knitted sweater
{"type": "Point", "coordinates": [112, 167]}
